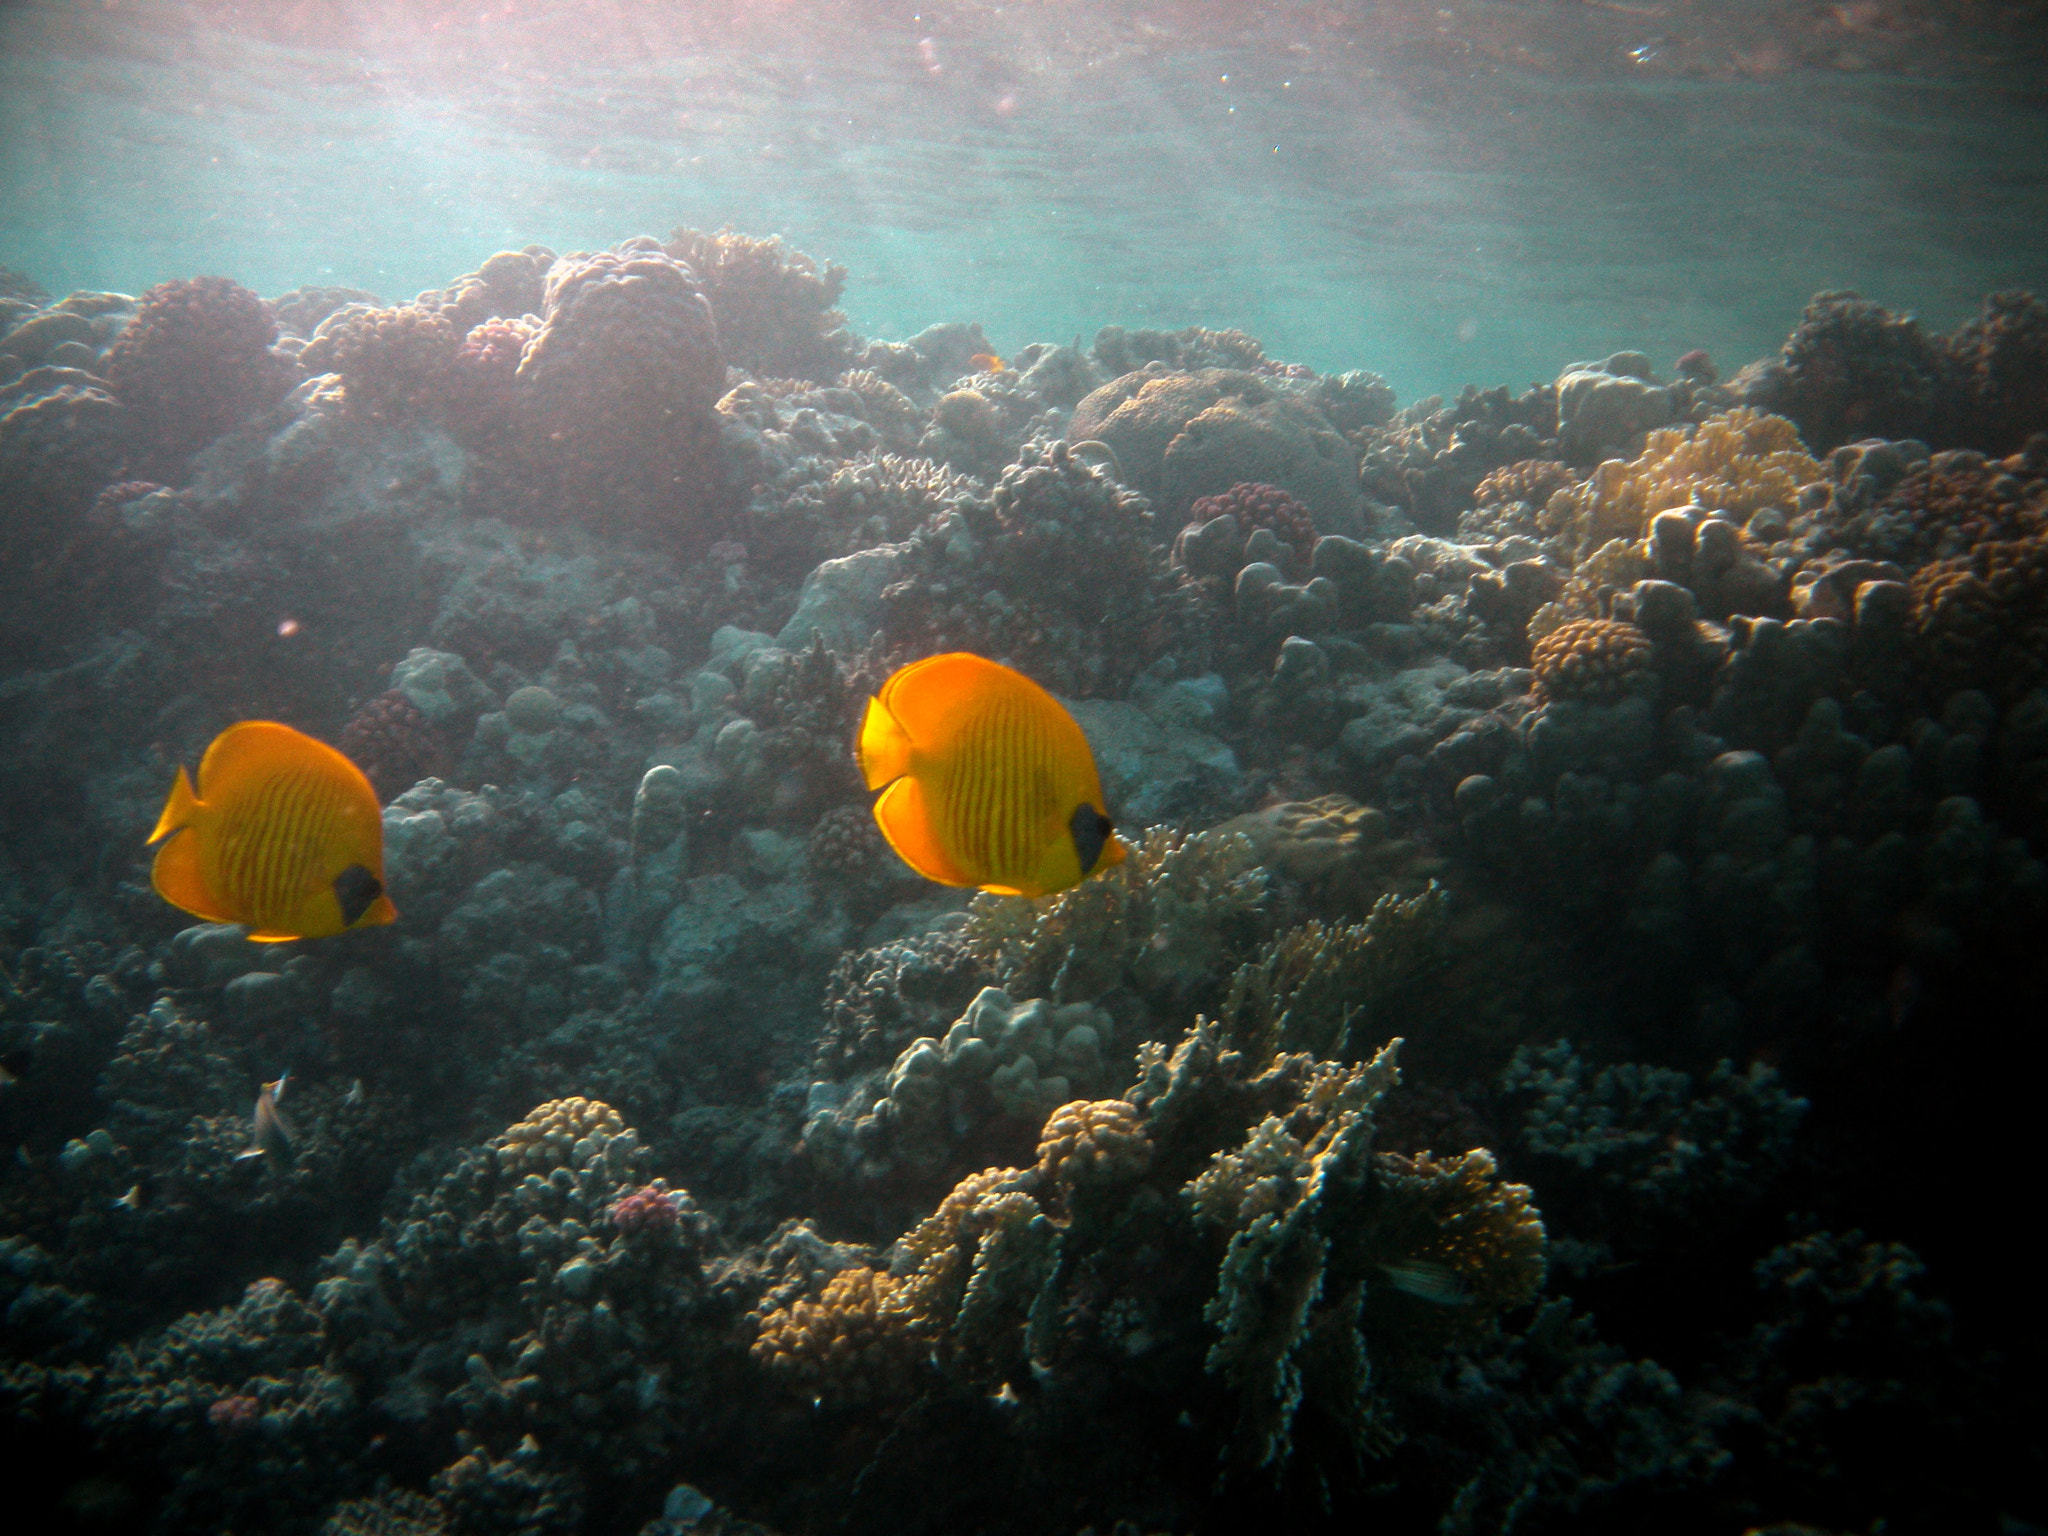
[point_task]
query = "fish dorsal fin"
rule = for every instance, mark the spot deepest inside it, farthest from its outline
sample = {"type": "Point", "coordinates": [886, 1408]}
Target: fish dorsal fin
{"type": "Point", "coordinates": [926, 698]}
{"type": "Point", "coordinates": [178, 809]}
{"type": "Point", "coordinates": [906, 821]}
{"type": "Point", "coordinates": [253, 749]}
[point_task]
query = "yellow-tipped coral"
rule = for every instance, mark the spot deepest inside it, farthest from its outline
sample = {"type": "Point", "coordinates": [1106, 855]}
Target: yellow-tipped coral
{"type": "Point", "coordinates": [1736, 463]}
{"type": "Point", "coordinates": [1596, 659]}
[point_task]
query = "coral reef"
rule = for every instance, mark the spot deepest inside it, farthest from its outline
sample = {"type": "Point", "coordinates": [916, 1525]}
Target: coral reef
{"type": "Point", "coordinates": [1180, 436]}
{"type": "Point", "coordinates": [625, 370]}
{"type": "Point", "coordinates": [1672, 785]}
{"type": "Point", "coordinates": [776, 309]}
{"type": "Point", "coordinates": [193, 362]}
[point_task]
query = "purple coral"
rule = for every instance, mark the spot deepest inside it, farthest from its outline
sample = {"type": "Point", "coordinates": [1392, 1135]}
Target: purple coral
{"type": "Point", "coordinates": [651, 1207]}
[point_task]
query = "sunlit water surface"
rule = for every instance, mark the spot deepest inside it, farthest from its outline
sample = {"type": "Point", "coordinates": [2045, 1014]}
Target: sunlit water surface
{"type": "Point", "coordinates": [1443, 200]}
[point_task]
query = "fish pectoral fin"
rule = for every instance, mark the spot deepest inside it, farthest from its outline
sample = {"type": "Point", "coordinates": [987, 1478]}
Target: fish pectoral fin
{"type": "Point", "coordinates": [1002, 890]}
{"type": "Point", "coordinates": [906, 821]}
{"type": "Point", "coordinates": [175, 874]}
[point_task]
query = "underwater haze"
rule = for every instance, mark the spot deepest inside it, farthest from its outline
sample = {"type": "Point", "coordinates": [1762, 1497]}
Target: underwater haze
{"type": "Point", "coordinates": [1047, 768]}
{"type": "Point", "coordinates": [1446, 196]}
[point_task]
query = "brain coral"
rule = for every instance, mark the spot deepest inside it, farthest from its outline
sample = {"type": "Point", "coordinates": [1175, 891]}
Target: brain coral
{"type": "Point", "coordinates": [193, 362]}
{"type": "Point", "coordinates": [1980, 620]}
{"type": "Point", "coordinates": [1180, 436]}
{"type": "Point", "coordinates": [622, 380]}
{"type": "Point", "coordinates": [1596, 659]}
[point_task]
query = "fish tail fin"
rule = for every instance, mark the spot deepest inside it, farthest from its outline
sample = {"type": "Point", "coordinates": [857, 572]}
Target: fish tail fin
{"type": "Point", "coordinates": [884, 746]}
{"type": "Point", "coordinates": [177, 810]}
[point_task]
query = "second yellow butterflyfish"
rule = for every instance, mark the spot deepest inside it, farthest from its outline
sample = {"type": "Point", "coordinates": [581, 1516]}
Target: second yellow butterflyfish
{"type": "Point", "coordinates": [985, 779]}
{"type": "Point", "coordinates": [283, 833]}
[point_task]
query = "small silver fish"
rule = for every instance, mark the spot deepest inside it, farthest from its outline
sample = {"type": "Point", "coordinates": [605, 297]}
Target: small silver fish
{"type": "Point", "coordinates": [355, 1094]}
{"type": "Point", "coordinates": [1428, 1281]}
{"type": "Point", "coordinates": [269, 1132]}
{"type": "Point", "coordinates": [132, 1201]}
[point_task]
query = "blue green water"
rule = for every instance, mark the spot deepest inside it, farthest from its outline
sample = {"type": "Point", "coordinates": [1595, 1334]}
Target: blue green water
{"type": "Point", "coordinates": [1445, 196]}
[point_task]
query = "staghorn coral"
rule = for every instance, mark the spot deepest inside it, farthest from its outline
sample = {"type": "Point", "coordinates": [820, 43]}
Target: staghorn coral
{"type": "Point", "coordinates": [776, 308]}
{"type": "Point", "coordinates": [1595, 659]}
{"type": "Point", "coordinates": [1166, 920]}
{"type": "Point", "coordinates": [194, 362]}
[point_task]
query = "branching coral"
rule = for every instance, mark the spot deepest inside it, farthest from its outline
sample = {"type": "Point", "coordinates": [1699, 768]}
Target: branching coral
{"type": "Point", "coordinates": [1166, 920]}
{"type": "Point", "coordinates": [1980, 620]}
{"type": "Point", "coordinates": [1329, 988]}
{"type": "Point", "coordinates": [1057, 573]}
{"type": "Point", "coordinates": [1630, 1151]}
{"type": "Point", "coordinates": [1737, 464]}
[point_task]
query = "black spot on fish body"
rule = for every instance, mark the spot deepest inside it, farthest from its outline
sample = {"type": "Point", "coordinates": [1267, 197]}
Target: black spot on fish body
{"type": "Point", "coordinates": [356, 888]}
{"type": "Point", "coordinates": [1090, 829]}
